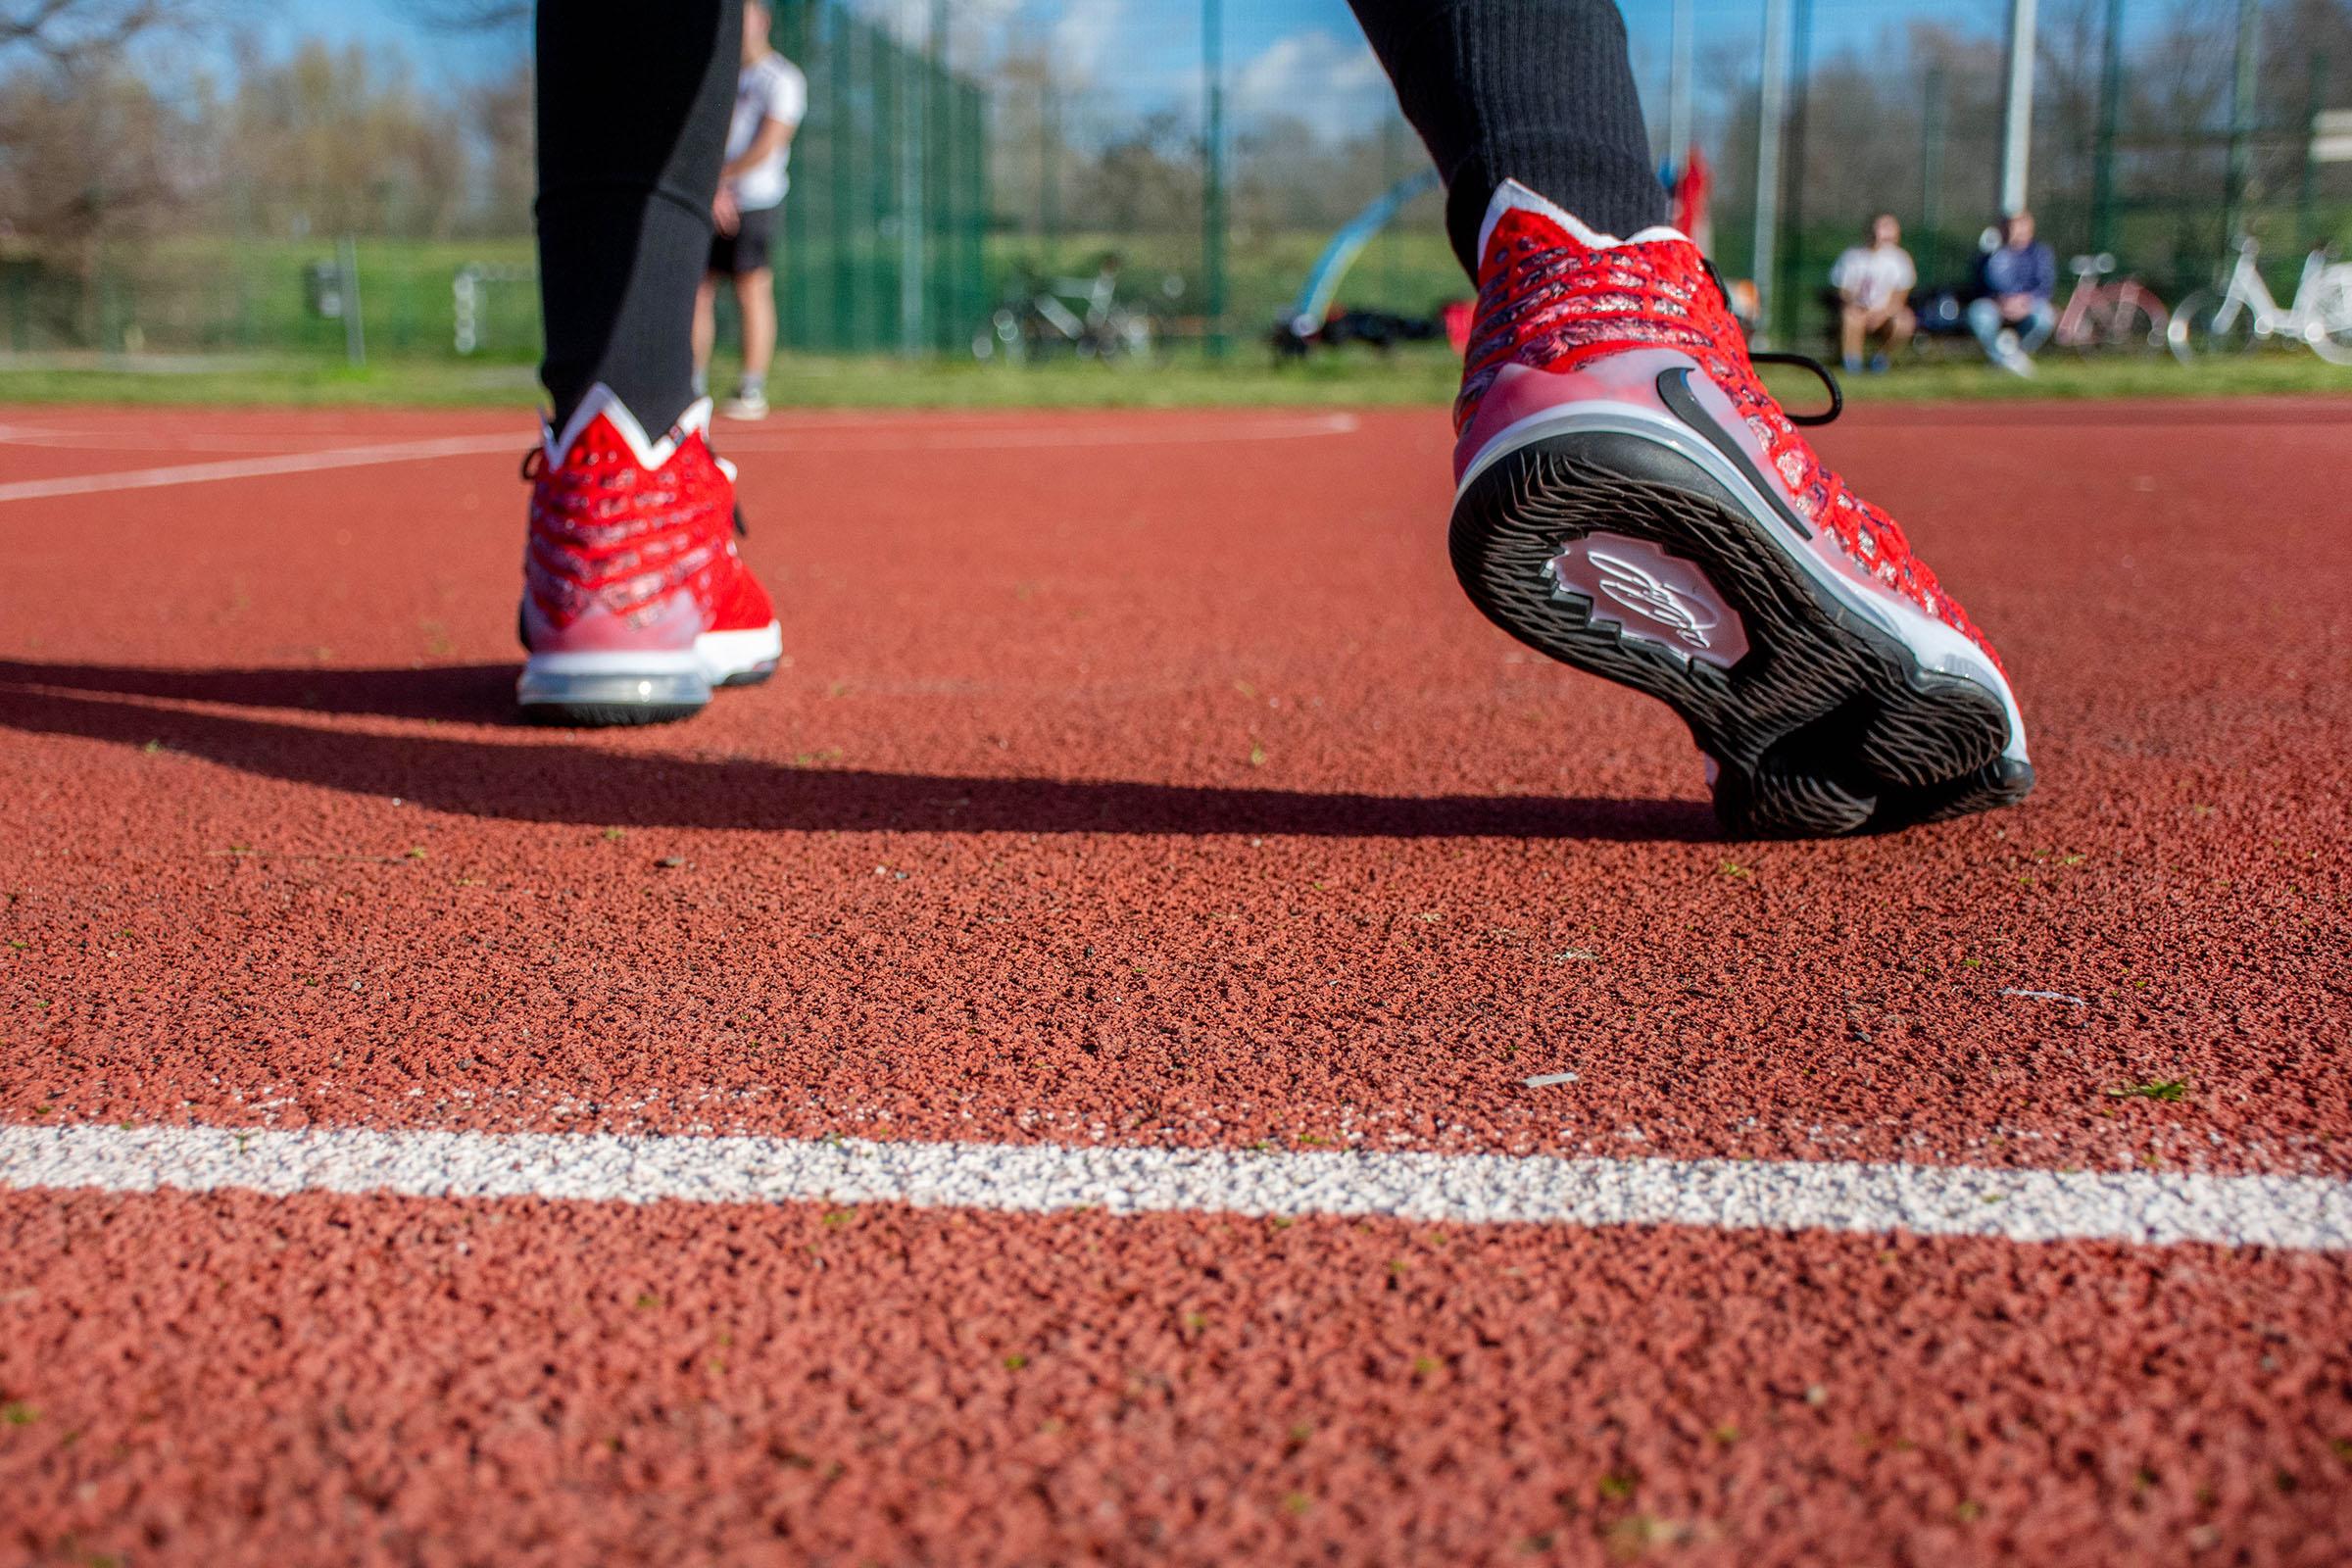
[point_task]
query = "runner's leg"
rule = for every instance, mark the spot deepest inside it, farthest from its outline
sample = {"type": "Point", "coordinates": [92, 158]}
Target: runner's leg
{"type": "Point", "coordinates": [756, 297]}
{"type": "Point", "coordinates": [706, 329]}
{"type": "Point", "coordinates": [1539, 91]}
{"type": "Point", "coordinates": [1900, 327]}
{"type": "Point", "coordinates": [633, 128]}
{"type": "Point", "coordinates": [2035, 329]}
{"type": "Point", "coordinates": [1985, 320]}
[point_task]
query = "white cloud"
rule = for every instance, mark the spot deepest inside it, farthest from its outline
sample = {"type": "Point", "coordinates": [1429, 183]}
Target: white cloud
{"type": "Point", "coordinates": [974, 26]}
{"type": "Point", "coordinates": [1084, 35]}
{"type": "Point", "coordinates": [1335, 85]}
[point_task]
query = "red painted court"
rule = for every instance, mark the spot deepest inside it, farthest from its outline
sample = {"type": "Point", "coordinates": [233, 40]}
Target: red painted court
{"type": "Point", "coordinates": [1047, 1078]}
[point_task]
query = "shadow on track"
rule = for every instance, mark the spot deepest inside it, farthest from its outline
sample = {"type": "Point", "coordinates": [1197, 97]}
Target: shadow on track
{"type": "Point", "coordinates": [547, 776]}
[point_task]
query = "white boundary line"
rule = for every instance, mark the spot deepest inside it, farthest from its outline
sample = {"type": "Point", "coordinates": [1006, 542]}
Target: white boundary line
{"type": "Point", "coordinates": [945, 439]}
{"type": "Point", "coordinates": [949, 436]}
{"type": "Point", "coordinates": [2297, 1212]}
{"type": "Point", "coordinates": [88, 484]}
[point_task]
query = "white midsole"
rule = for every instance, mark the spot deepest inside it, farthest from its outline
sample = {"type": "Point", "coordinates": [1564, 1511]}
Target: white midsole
{"type": "Point", "coordinates": [716, 656]}
{"type": "Point", "coordinates": [1937, 646]}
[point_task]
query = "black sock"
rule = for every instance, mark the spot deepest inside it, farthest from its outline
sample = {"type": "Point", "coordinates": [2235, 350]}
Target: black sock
{"type": "Point", "coordinates": [633, 110]}
{"type": "Point", "coordinates": [1539, 91]}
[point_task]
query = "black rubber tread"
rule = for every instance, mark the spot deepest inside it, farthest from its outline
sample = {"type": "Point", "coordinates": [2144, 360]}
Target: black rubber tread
{"type": "Point", "coordinates": [748, 677]}
{"type": "Point", "coordinates": [606, 716]}
{"type": "Point", "coordinates": [1827, 727]}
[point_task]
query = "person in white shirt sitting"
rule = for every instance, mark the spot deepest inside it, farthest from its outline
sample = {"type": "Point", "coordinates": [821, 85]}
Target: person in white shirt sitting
{"type": "Point", "coordinates": [1874, 284]}
{"type": "Point", "coordinates": [772, 97]}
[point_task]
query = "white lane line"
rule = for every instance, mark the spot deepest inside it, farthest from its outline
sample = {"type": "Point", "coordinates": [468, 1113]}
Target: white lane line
{"type": "Point", "coordinates": [86, 484]}
{"type": "Point", "coordinates": [984, 438]}
{"type": "Point", "coordinates": [905, 435]}
{"type": "Point", "coordinates": [2299, 1212]}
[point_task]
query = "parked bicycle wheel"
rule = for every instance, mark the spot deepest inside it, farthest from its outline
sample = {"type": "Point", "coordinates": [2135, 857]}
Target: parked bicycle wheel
{"type": "Point", "coordinates": [1001, 338]}
{"type": "Point", "coordinates": [2332, 334]}
{"type": "Point", "coordinates": [2137, 321]}
{"type": "Point", "coordinates": [2122, 323]}
{"type": "Point", "coordinates": [2207, 322]}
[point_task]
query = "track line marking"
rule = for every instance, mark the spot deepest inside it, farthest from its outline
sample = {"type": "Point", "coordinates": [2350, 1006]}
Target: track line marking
{"type": "Point", "coordinates": [984, 438]}
{"type": "Point", "coordinates": [86, 484]}
{"type": "Point", "coordinates": [2296, 1213]}
{"type": "Point", "coordinates": [907, 435]}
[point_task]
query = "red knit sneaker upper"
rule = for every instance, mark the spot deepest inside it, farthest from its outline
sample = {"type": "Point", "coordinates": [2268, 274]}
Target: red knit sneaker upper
{"type": "Point", "coordinates": [1553, 296]}
{"type": "Point", "coordinates": [620, 524]}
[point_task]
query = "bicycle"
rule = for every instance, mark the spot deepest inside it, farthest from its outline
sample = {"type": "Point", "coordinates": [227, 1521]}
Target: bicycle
{"type": "Point", "coordinates": [2242, 313]}
{"type": "Point", "coordinates": [2125, 314]}
{"type": "Point", "coordinates": [1040, 317]}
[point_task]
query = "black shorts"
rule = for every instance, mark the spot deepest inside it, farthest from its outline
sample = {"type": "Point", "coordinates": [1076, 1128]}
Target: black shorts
{"type": "Point", "coordinates": [750, 247]}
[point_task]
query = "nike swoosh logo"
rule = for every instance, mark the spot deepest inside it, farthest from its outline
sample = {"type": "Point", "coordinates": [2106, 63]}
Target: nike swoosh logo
{"type": "Point", "coordinates": [1674, 388]}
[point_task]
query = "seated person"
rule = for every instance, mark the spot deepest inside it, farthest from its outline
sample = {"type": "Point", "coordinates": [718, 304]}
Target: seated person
{"type": "Point", "coordinates": [1874, 284]}
{"type": "Point", "coordinates": [2012, 314]}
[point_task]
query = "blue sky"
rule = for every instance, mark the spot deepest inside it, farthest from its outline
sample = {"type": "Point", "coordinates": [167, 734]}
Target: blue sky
{"type": "Point", "coordinates": [1280, 53]}
{"type": "Point", "coordinates": [388, 25]}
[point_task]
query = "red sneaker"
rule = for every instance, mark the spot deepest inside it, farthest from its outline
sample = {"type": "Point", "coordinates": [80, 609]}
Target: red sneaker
{"type": "Point", "coordinates": [635, 605]}
{"type": "Point", "coordinates": [1633, 502]}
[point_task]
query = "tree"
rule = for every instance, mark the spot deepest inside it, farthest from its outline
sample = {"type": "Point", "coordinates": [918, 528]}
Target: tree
{"type": "Point", "coordinates": [86, 29]}
{"type": "Point", "coordinates": [329, 141]}
{"type": "Point", "coordinates": [88, 158]}
{"type": "Point", "coordinates": [504, 126]}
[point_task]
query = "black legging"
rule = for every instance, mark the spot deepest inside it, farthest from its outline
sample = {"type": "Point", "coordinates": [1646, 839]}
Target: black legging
{"type": "Point", "coordinates": [633, 125]}
{"type": "Point", "coordinates": [633, 107]}
{"type": "Point", "coordinates": [1539, 91]}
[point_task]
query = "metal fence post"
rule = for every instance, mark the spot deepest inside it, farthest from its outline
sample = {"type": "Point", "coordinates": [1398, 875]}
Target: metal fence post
{"type": "Point", "coordinates": [1772, 96]}
{"type": "Point", "coordinates": [882, 88]}
{"type": "Point", "coordinates": [355, 337]}
{"type": "Point", "coordinates": [1048, 168]}
{"type": "Point", "coordinates": [1678, 87]}
{"type": "Point", "coordinates": [2315, 99]}
{"type": "Point", "coordinates": [2017, 107]}
{"type": "Point", "coordinates": [838, 322]}
{"type": "Point", "coordinates": [2111, 99]}
{"type": "Point", "coordinates": [1789, 292]}
{"type": "Point", "coordinates": [911, 138]}
{"type": "Point", "coordinates": [1931, 171]}
{"type": "Point", "coordinates": [1213, 184]}
{"type": "Point", "coordinates": [2242, 122]}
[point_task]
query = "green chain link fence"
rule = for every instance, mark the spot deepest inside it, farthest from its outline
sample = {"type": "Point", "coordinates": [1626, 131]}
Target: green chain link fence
{"type": "Point", "coordinates": [886, 222]}
{"type": "Point", "coordinates": [883, 246]}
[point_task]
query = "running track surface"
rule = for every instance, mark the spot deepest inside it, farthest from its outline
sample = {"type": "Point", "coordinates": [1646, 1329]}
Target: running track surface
{"type": "Point", "coordinates": [1047, 1077]}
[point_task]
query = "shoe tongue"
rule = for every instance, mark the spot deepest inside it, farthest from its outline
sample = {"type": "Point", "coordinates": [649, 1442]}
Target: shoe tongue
{"type": "Point", "coordinates": [605, 426]}
{"type": "Point", "coordinates": [1512, 198]}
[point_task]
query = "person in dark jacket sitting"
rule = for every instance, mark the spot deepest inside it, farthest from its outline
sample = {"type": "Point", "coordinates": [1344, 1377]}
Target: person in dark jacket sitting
{"type": "Point", "coordinates": [2012, 314]}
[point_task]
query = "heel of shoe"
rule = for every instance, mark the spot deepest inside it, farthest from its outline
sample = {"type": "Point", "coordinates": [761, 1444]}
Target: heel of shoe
{"type": "Point", "coordinates": [603, 690]}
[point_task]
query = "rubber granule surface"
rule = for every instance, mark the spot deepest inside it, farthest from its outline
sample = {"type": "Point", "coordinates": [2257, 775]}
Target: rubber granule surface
{"type": "Point", "coordinates": [1143, 779]}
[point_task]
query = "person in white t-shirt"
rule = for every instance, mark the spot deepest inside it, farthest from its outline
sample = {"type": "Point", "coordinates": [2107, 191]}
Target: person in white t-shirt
{"type": "Point", "coordinates": [1874, 284]}
{"type": "Point", "coordinates": [772, 97]}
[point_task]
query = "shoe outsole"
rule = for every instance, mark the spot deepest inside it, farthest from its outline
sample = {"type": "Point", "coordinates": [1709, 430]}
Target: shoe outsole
{"type": "Point", "coordinates": [606, 716]}
{"type": "Point", "coordinates": [623, 711]}
{"type": "Point", "coordinates": [1828, 725]}
{"type": "Point", "coordinates": [615, 715]}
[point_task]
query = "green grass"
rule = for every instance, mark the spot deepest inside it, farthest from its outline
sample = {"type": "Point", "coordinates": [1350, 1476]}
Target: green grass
{"type": "Point", "coordinates": [2067, 375]}
{"type": "Point", "coordinates": [201, 293]}
{"type": "Point", "coordinates": [233, 318]}
{"type": "Point", "coordinates": [1247, 378]}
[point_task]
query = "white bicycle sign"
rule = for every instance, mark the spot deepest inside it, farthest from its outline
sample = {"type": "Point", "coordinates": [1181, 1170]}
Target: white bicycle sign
{"type": "Point", "coordinates": [2242, 313]}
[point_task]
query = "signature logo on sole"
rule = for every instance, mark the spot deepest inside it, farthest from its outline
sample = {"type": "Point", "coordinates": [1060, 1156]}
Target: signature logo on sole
{"type": "Point", "coordinates": [1660, 602]}
{"type": "Point", "coordinates": [1658, 598]}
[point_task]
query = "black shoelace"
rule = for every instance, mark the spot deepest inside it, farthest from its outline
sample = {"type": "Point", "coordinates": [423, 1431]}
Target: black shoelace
{"type": "Point", "coordinates": [1803, 362]}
